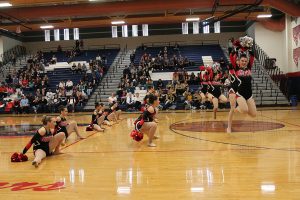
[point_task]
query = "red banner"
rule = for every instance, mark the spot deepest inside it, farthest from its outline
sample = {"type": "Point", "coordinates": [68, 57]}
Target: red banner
{"type": "Point", "coordinates": [296, 55]}
{"type": "Point", "coordinates": [296, 34]}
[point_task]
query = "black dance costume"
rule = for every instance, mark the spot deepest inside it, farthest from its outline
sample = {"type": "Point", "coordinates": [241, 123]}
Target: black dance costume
{"type": "Point", "coordinates": [40, 142]}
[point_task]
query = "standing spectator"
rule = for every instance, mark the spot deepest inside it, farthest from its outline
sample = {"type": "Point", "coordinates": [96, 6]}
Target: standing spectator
{"type": "Point", "coordinates": [230, 45]}
{"type": "Point", "coordinates": [223, 65]}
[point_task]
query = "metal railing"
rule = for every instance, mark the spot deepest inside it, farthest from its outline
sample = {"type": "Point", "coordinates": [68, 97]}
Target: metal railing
{"type": "Point", "coordinates": [273, 71]}
{"type": "Point", "coordinates": [15, 52]}
{"type": "Point", "coordinates": [90, 47]}
{"type": "Point", "coordinates": [180, 43]}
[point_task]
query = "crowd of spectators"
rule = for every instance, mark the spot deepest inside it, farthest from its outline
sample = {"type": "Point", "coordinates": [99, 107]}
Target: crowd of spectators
{"type": "Point", "coordinates": [171, 94]}
{"type": "Point", "coordinates": [27, 90]}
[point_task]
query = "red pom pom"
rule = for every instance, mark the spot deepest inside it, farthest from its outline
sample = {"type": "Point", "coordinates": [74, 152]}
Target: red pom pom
{"type": "Point", "coordinates": [89, 128]}
{"type": "Point", "coordinates": [237, 43]}
{"type": "Point", "coordinates": [136, 135]}
{"type": "Point", "coordinates": [24, 158]}
{"type": "Point", "coordinates": [15, 157]}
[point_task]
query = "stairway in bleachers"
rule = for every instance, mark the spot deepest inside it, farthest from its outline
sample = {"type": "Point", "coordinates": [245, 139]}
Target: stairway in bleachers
{"type": "Point", "coordinates": [110, 81]}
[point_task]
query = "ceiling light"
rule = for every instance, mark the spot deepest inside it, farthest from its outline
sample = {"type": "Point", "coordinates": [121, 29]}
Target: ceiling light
{"type": "Point", "coordinates": [191, 19]}
{"type": "Point", "coordinates": [264, 16]}
{"type": "Point", "coordinates": [46, 26]}
{"type": "Point", "coordinates": [117, 22]}
{"type": "Point", "coordinates": [5, 4]}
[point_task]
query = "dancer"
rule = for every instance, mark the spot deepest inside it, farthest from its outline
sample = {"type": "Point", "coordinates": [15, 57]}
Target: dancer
{"type": "Point", "coordinates": [98, 117]}
{"type": "Point", "coordinates": [113, 113]}
{"type": "Point", "coordinates": [241, 88]}
{"type": "Point", "coordinates": [62, 124]}
{"type": "Point", "coordinates": [145, 123]}
{"type": "Point", "coordinates": [214, 91]}
{"type": "Point", "coordinates": [45, 141]}
{"type": "Point", "coordinates": [204, 78]}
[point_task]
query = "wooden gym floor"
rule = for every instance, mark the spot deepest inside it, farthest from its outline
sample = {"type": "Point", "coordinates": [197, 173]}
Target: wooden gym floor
{"type": "Point", "coordinates": [194, 159]}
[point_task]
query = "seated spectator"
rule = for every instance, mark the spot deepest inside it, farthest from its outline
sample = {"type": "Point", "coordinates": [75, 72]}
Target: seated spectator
{"type": "Point", "coordinates": [74, 68]}
{"type": "Point", "coordinates": [89, 89]}
{"type": "Point", "coordinates": [24, 105]}
{"type": "Point", "coordinates": [79, 68]}
{"type": "Point", "coordinates": [69, 85]}
{"type": "Point", "coordinates": [160, 84]}
{"type": "Point", "coordinates": [130, 101]}
{"type": "Point", "coordinates": [16, 106]}
{"type": "Point", "coordinates": [53, 60]}
{"type": "Point", "coordinates": [138, 101]}
{"type": "Point", "coordinates": [84, 68]}
{"type": "Point", "coordinates": [61, 85]}
{"type": "Point", "coordinates": [112, 99]}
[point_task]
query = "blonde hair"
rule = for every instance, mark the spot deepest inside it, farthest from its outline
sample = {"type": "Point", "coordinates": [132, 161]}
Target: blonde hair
{"type": "Point", "coordinates": [46, 119]}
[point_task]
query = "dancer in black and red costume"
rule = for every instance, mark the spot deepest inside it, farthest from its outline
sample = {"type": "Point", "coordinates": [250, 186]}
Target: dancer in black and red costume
{"type": "Point", "coordinates": [98, 117]}
{"type": "Point", "coordinates": [214, 90]}
{"type": "Point", "coordinates": [146, 123]}
{"type": "Point", "coordinates": [204, 79]}
{"type": "Point", "coordinates": [45, 141]}
{"type": "Point", "coordinates": [241, 85]}
{"type": "Point", "coordinates": [63, 125]}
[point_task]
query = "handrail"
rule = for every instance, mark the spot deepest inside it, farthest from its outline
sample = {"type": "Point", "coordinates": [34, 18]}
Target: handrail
{"type": "Point", "coordinates": [173, 43]}
{"type": "Point", "coordinates": [16, 51]}
{"type": "Point", "coordinates": [274, 73]}
{"type": "Point", "coordinates": [90, 47]}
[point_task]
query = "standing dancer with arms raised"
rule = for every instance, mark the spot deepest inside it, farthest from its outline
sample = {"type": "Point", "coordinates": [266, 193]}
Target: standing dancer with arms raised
{"type": "Point", "coordinates": [241, 85]}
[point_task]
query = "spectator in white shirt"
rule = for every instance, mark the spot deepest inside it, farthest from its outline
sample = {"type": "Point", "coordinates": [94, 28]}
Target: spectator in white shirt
{"type": "Point", "coordinates": [130, 101]}
{"type": "Point", "coordinates": [138, 101]}
{"type": "Point", "coordinates": [112, 99]}
{"type": "Point", "coordinates": [69, 85]}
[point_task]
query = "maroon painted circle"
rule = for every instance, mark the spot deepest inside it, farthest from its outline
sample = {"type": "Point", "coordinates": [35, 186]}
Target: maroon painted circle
{"type": "Point", "coordinates": [220, 126]}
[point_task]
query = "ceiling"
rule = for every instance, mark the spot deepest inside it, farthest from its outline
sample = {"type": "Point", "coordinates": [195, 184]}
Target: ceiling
{"type": "Point", "coordinates": [29, 15]}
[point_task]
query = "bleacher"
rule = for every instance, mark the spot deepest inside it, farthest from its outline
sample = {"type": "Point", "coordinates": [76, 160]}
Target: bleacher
{"type": "Point", "coordinates": [193, 52]}
{"type": "Point", "coordinates": [64, 72]}
{"type": "Point", "coordinates": [85, 55]}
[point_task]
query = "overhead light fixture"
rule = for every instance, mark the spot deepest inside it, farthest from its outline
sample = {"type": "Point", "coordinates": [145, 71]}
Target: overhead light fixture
{"type": "Point", "coordinates": [209, 18]}
{"type": "Point", "coordinates": [118, 22]}
{"type": "Point", "coordinates": [264, 16]}
{"type": "Point", "coordinates": [46, 26]}
{"type": "Point", "coordinates": [5, 4]}
{"type": "Point", "coordinates": [192, 19]}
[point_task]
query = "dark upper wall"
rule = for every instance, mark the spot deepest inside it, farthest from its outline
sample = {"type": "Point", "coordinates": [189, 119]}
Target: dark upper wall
{"type": "Point", "coordinates": [155, 29]}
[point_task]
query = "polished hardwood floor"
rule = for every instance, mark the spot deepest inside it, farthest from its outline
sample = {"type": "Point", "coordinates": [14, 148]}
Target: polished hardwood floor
{"type": "Point", "coordinates": [194, 159]}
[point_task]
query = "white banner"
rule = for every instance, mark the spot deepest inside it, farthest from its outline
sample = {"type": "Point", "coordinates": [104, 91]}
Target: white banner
{"type": "Point", "coordinates": [145, 30]}
{"type": "Point", "coordinates": [114, 31]}
{"type": "Point", "coordinates": [217, 27]}
{"type": "Point", "coordinates": [205, 27]}
{"type": "Point", "coordinates": [195, 27]}
{"type": "Point", "coordinates": [135, 31]}
{"type": "Point", "coordinates": [66, 34]}
{"type": "Point", "coordinates": [185, 28]}
{"type": "Point", "coordinates": [47, 35]}
{"type": "Point", "coordinates": [56, 35]}
{"type": "Point", "coordinates": [124, 31]}
{"type": "Point", "coordinates": [76, 33]}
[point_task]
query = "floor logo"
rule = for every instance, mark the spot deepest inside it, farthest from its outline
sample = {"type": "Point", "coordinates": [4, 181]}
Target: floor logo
{"type": "Point", "coordinates": [32, 186]}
